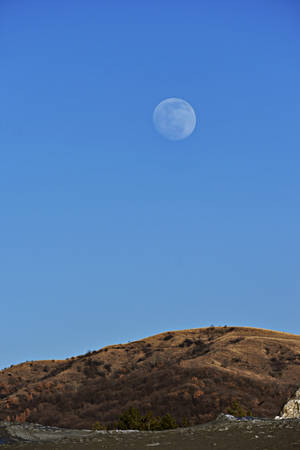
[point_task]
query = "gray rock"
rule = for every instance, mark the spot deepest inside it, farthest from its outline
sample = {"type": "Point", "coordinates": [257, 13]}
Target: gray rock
{"type": "Point", "coordinates": [291, 409]}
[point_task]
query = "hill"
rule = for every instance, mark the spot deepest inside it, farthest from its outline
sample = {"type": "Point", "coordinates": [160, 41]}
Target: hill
{"type": "Point", "coordinates": [193, 374]}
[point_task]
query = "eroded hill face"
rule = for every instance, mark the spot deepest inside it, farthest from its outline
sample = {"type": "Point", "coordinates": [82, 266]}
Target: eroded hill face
{"type": "Point", "coordinates": [192, 374]}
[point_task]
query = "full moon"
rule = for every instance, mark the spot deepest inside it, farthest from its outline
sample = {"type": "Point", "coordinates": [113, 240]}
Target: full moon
{"type": "Point", "coordinates": [174, 118]}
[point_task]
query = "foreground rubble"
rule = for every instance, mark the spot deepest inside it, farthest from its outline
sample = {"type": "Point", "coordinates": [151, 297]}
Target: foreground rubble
{"type": "Point", "coordinates": [226, 432]}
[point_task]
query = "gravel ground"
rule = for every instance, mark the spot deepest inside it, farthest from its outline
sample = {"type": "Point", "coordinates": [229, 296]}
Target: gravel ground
{"type": "Point", "coordinates": [223, 434]}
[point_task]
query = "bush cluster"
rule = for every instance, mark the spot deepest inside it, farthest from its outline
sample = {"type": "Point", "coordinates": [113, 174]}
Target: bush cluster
{"type": "Point", "coordinates": [238, 411]}
{"type": "Point", "coordinates": [132, 419]}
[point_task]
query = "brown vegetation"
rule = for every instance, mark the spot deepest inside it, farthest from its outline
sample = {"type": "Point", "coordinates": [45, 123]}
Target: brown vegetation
{"type": "Point", "coordinates": [191, 374]}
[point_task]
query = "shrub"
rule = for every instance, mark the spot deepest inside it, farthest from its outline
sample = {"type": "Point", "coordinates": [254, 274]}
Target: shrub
{"type": "Point", "coordinates": [236, 410]}
{"type": "Point", "coordinates": [130, 419]}
{"type": "Point", "coordinates": [186, 343]}
{"type": "Point", "coordinates": [97, 426]}
{"type": "Point", "coordinates": [133, 420]}
{"type": "Point", "coordinates": [168, 337]}
{"type": "Point", "coordinates": [167, 422]}
{"type": "Point", "coordinates": [185, 422]}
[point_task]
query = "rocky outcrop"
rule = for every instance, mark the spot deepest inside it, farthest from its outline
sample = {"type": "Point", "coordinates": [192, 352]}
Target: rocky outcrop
{"type": "Point", "coordinates": [291, 409]}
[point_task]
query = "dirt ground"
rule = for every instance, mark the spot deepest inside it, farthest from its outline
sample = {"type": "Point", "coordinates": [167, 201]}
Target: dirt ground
{"type": "Point", "coordinates": [222, 434]}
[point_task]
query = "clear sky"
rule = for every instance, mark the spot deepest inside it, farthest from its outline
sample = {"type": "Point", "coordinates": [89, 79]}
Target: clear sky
{"type": "Point", "coordinates": [111, 233]}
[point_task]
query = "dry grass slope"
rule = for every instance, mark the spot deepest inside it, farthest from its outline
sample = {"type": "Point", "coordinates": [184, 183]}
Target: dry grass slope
{"type": "Point", "coordinates": [193, 374]}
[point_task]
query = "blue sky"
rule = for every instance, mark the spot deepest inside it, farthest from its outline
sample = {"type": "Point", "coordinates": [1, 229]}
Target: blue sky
{"type": "Point", "coordinates": [111, 233]}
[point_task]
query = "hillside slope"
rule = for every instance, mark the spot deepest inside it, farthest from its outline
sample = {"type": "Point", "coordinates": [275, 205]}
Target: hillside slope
{"type": "Point", "coordinates": [193, 374]}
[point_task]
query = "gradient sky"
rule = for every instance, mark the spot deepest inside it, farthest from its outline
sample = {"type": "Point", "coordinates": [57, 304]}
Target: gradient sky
{"type": "Point", "coordinates": [111, 233]}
